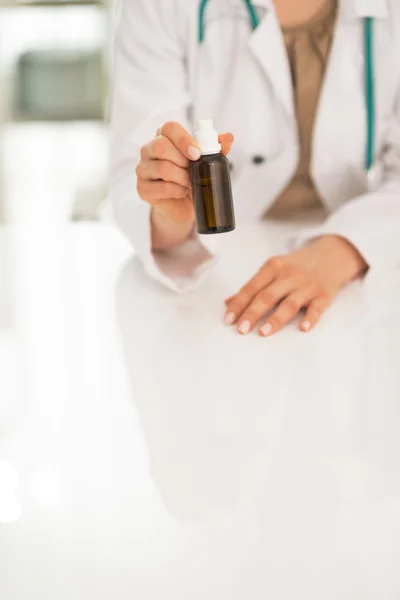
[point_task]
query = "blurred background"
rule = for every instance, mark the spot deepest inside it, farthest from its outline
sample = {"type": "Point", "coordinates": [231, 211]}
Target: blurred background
{"type": "Point", "coordinates": [55, 58]}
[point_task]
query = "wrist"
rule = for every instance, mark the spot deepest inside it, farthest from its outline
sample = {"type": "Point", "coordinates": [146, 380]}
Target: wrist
{"type": "Point", "coordinates": [345, 259]}
{"type": "Point", "coordinates": [167, 233]}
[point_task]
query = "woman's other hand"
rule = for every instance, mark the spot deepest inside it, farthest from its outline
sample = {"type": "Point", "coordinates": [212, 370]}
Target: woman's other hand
{"type": "Point", "coordinates": [163, 182]}
{"type": "Point", "coordinates": [308, 278]}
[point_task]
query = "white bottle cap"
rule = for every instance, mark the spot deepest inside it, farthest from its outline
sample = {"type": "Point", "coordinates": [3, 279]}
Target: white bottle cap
{"type": "Point", "coordinates": [207, 138]}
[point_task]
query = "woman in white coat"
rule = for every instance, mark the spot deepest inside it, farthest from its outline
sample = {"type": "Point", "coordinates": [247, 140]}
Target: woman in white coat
{"type": "Point", "coordinates": [311, 92]}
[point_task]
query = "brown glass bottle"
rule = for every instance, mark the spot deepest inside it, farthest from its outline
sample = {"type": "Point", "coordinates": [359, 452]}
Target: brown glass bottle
{"type": "Point", "coordinates": [211, 184]}
{"type": "Point", "coordinates": [212, 194]}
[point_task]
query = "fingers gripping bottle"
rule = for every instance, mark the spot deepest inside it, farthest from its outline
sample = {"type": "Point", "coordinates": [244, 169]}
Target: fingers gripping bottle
{"type": "Point", "coordinates": [211, 184]}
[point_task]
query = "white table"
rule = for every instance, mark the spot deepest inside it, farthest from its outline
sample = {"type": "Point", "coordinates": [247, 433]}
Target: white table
{"type": "Point", "coordinates": [147, 452]}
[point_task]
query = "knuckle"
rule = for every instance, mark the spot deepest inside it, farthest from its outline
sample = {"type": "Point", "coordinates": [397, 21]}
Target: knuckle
{"type": "Point", "coordinates": [160, 146]}
{"type": "Point", "coordinates": [249, 290]}
{"type": "Point", "coordinates": [292, 305]}
{"type": "Point", "coordinates": [164, 170]}
{"type": "Point", "coordinates": [239, 302]}
{"type": "Point", "coordinates": [292, 272]}
{"type": "Point", "coordinates": [233, 305]}
{"type": "Point", "coordinates": [267, 297]}
{"type": "Point", "coordinates": [313, 314]}
{"type": "Point", "coordinates": [320, 304]}
{"type": "Point", "coordinates": [277, 321]}
{"type": "Point", "coordinates": [139, 170]}
{"type": "Point", "coordinates": [322, 299]}
{"type": "Point", "coordinates": [325, 296]}
{"type": "Point", "coordinates": [316, 287]}
{"type": "Point", "coordinates": [182, 144]}
{"type": "Point", "coordinates": [317, 308]}
{"type": "Point", "coordinates": [276, 263]}
{"type": "Point", "coordinates": [169, 127]}
{"type": "Point", "coordinates": [172, 190]}
{"type": "Point", "coordinates": [185, 179]}
{"type": "Point", "coordinates": [168, 189]}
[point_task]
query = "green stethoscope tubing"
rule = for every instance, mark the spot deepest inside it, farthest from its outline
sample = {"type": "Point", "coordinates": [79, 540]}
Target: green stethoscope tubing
{"type": "Point", "coordinates": [370, 90]}
{"type": "Point", "coordinates": [369, 70]}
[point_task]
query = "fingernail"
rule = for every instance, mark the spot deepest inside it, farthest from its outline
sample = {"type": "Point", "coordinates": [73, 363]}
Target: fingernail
{"type": "Point", "coordinates": [194, 153]}
{"type": "Point", "coordinates": [266, 329]}
{"type": "Point", "coordinates": [245, 327]}
{"type": "Point", "coordinates": [306, 326]}
{"type": "Point", "coordinates": [229, 319]}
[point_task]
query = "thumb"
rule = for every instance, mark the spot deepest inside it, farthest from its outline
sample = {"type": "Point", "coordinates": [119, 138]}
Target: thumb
{"type": "Point", "coordinates": [226, 140]}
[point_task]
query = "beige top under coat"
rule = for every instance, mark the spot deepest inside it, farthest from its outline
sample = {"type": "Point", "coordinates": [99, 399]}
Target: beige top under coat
{"type": "Point", "coordinates": [308, 48]}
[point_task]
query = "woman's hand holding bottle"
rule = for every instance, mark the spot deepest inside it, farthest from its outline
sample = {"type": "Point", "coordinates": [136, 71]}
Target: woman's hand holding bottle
{"type": "Point", "coordinates": [163, 182]}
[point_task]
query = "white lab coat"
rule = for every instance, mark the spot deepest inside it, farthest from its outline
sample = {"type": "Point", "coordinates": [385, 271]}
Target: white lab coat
{"type": "Point", "coordinates": [242, 80]}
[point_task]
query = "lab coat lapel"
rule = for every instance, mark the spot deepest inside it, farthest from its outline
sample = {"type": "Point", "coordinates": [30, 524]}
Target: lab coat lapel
{"type": "Point", "coordinates": [340, 125]}
{"type": "Point", "coordinates": [340, 133]}
{"type": "Point", "coordinates": [267, 45]}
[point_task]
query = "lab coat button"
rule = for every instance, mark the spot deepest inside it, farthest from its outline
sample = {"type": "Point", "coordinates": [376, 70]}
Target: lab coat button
{"type": "Point", "coordinates": [258, 159]}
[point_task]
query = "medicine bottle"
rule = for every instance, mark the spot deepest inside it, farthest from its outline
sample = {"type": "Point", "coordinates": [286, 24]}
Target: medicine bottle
{"type": "Point", "coordinates": [211, 183]}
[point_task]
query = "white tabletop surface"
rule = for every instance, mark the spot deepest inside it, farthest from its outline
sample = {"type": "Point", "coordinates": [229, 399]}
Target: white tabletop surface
{"type": "Point", "coordinates": [148, 452]}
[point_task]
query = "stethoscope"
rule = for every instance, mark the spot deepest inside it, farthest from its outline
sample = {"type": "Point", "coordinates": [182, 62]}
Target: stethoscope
{"type": "Point", "coordinates": [369, 70]}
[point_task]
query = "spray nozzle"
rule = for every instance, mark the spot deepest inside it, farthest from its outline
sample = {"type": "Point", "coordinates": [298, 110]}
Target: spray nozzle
{"type": "Point", "coordinates": [207, 137]}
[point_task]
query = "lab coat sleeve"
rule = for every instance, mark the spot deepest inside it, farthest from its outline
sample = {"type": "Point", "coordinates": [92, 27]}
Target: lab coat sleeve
{"type": "Point", "coordinates": [371, 222]}
{"type": "Point", "coordinates": [149, 89]}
